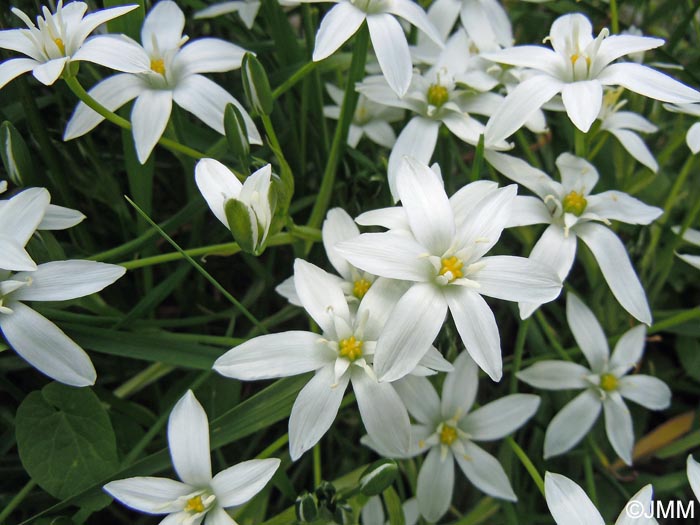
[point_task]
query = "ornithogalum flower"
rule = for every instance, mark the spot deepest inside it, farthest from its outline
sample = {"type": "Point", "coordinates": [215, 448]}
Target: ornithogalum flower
{"type": "Point", "coordinates": [693, 237]}
{"type": "Point", "coordinates": [570, 505]}
{"type": "Point", "coordinates": [578, 67]}
{"type": "Point", "coordinates": [53, 41]}
{"type": "Point", "coordinates": [343, 354]}
{"type": "Point", "coordinates": [388, 38]}
{"type": "Point", "coordinates": [246, 209]}
{"type": "Point", "coordinates": [572, 212]}
{"type": "Point", "coordinates": [198, 497]}
{"type": "Point", "coordinates": [36, 339]}
{"type": "Point", "coordinates": [164, 70]}
{"type": "Point", "coordinates": [485, 21]}
{"type": "Point", "coordinates": [447, 430]}
{"type": "Point", "coordinates": [605, 383]}
{"type": "Point", "coordinates": [246, 9]}
{"type": "Point", "coordinates": [440, 247]}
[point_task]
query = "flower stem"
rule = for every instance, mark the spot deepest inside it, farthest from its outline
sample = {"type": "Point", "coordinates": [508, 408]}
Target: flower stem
{"type": "Point", "coordinates": [614, 21]}
{"type": "Point", "coordinates": [273, 447]}
{"type": "Point", "coordinates": [19, 497]}
{"type": "Point", "coordinates": [518, 354]}
{"type": "Point", "coordinates": [297, 77]}
{"type": "Point", "coordinates": [340, 137]}
{"type": "Point", "coordinates": [79, 91]}
{"type": "Point", "coordinates": [317, 464]}
{"type": "Point", "coordinates": [527, 463]}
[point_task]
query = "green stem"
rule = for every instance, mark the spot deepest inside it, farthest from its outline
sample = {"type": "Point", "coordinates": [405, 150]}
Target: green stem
{"type": "Point", "coordinates": [527, 463]}
{"type": "Point", "coordinates": [551, 336]}
{"type": "Point", "coordinates": [518, 354]}
{"type": "Point", "coordinates": [79, 91]}
{"type": "Point", "coordinates": [317, 464]}
{"type": "Point", "coordinates": [274, 447]}
{"type": "Point", "coordinates": [681, 318]}
{"type": "Point", "coordinates": [144, 378]}
{"type": "Point", "coordinates": [580, 143]}
{"type": "Point", "coordinates": [340, 137]}
{"type": "Point", "coordinates": [19, 497]}
{"type": "Point", "coordinates": [614, 21]}
{"type": "Point", "coordinates": [297, 77]}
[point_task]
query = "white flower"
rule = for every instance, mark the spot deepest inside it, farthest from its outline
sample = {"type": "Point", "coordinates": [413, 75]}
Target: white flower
{"type": "Point", "coordinates": [343, 354]}
{"type": "Point", "coordinates": [373, 512]}
{"type": "Point", "coordinates": [53, 41]}
{"type": "Point", "coordinates": [337, 227]}
{"type": "Point", "coordinates": [692, 138]}
{"type": "Point", "coordinates": [161, 72]}
{"type": "Point", "coordinates": [570, 505]}
{"type": "Point", "coordinates": [693, 237]}
{"type": "Point", "coordinates": [370, 119]}
{"type": "Point", "coordinates": [36, 339]}
{"type": "Point", "coordinates": [693, 470]}
{"type": "Point", "coordinates": [447, 429]}
{"type": "Point", "coordinates": [219, 186]}
{"type": "Point", "coordinates": [605, 385]}
{"type": "Point", "coordinates": [246, 9]}
{"type": "Point", "coordinates": [388, 38]}
{"type": "Point", "coordinates": [198, 496]}
{"type": "Point", "coordinates": [23, 214]}
{"type": "Point", "coordinates": [440, 251]}
{"type": "Point", "coordinates": [623, 124]}
{"type": "Point", "coordinates": [578, 67]}
{"type": "Point", "coordinates": [572, 213]}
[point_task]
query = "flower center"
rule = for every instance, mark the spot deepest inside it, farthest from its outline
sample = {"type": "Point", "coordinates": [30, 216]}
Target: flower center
{"type": "Point", "coordinates": [350, 348]}
{"type": "Point", "coordinates": [60, 45]}
{"type": "Point", "coordinates": [448, 435]}
{"type": "Point", "coordinates": [194, 505]}
{"type": "Point", "coordinates": [437, 95]}
{"type": "Point", "coordinates": [575, 203]}
{"type": "Point", "coordinates": [452, 268]}
{"type": "Point", "coordinates": [608, 382]}
{"type": "Point", "coordinates": [360, 288]}
{"type": "Point", "coordinates": [158, 66]}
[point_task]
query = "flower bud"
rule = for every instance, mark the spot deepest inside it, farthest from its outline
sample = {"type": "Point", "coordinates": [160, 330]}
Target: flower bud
{"type": "Point", "coordinates": [256, 85]}
{"type": "Point", "coordinates": [325, 492]}
{"type": "Point", "coordinates": [15, 155]}
{"type": "Point", "coordinates": [378, 476]}
{"type": "Point", "coordinates": [344, 515]}
{"type": "Point", "coordinates": [305, 508]}
{"type": "Point", "coordinates": [236, 133]}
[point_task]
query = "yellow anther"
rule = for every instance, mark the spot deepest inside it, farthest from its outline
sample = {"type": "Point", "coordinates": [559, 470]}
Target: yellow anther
{"type": "Point", "coordinates": [360, 288]}
{"type": "Point", "coordinates": [452, 265]}
{"type": "Point", "coordinates": [448, 435]}
{"type": "Point", "coordinates": [437, 95]}
{"type": "Point", "coordinates": [350, 348]}
{"type": "Point", "coordinates": [158, 66]}
{"type": "Point", "coordinates": [575, 203]}
{"type": "Point", "coordinates": [608, 382]}
{"type": "Point", "coordinates": [194, 504]}
{"type": "Point", "coordinates": [60, 45]}
{"type": "Point", "coordinates": [574, 58]}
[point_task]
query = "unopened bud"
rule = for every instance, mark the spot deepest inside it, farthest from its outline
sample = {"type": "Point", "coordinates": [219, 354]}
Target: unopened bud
{"type": "Point", "coordinates": [306, 508]}
{"type": "Point", "coordinates": [256, 85]}
{"type": "Point", "coordinates": [378, 476]}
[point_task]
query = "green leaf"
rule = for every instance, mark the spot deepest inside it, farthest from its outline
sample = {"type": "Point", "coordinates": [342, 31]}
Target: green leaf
{"type": "Point", "coordinates": [65, 439]}
{"type": "Point", "coordinates": [688, 350]}
{"type": "Point", "coordinates": [393, 507]}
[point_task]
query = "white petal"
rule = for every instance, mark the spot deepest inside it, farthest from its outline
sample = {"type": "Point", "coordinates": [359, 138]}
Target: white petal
{"type": "Point", "coordinates": [526, 211]}
{"type": "Point", "coordinates": [587, 332]}
{"type": "Point", "coordinates": [619, 206]}
{"type": "Point", "coordinates": [413, 13]}
{"type": "Point", "coordinates": [149, 494]}
{"type": "Point", "coordinates": [163, 24]}
{"type": "Point", "coordinates": [443, 14]}
{"type": "Point", "coordinates": [274, 355]}
{"type": "Point", "coordinates": [11, 69]}
{"type": "Point", "coordinates": [16, 40]}
{"type": "Point", "coordinates": [521, 172]}
{"type": "Point", "coordinates": [644, 501]}
{"type": "Point", "coordinates": [320, 295]}
{"type": "Point", "coordinates": [616, 46]}
{"type": "Point", "coordinates": [391, 48]}
{"type": "Point", "coordinates": [648, 82]}
{"type": "Point", "coordinates": [188, 440]}
{"type": "Point", "coordinates": [693, 260]}
{"type": "Point", "coordinates": [426, 205]}
{"type": "Point", "coordinates": [572, 422]}
{"type": "Point", "coordinates": [13, 256]}
{"type": "Point", "coordinates": [60, 218]}
{"type": "Point", "coordinates": [112, 93]}
{"type": "Point", "coordinates": [517, 279]}
{"type": "Point", "coordinates": [531, 57]}
{"type": "Point", "coordinates": [555, 375]}
{"type": "Point", "coordinates": [568, 503]}
{"type": "Point", "coordinates": [48, 72]}
{"type": "Point", "coordinates": [477, 328]}
{"type": "Point", "coordinates": [338, 227]}
{"type": "Point", "coordinates": [383, 413]}
{"type": "Point", "coordinates": [485, 472]}
{"type": "Point", "coordinates": [64, 280]}
{"type": "Point", "coordinates": [149, 117]}
{"type": "Point", "coordinates": [693, 138]}
{"type": "Point", "coordinates": [436, 481]}
{"type": "Point", "coordinates": [417, 139]}
{"type": "Point", "coordinates": [314, 410]}
{"type": "Point", "coordinates": [114, 52]}
{"type": "Point", "coordinates": [217, 184]}
{"type": "Point", "coordinates": [393, 218]}
{"type": "Point", "coordinates": [519, 106]}
{"type": "Point", "coordinates": [216, 516]}
{"type": "Point", "coordinates": [391, 255]}
{"type": "Point", "coordinates": [583, 101]}
{"type": "Point", "coordinates": [21, 215]}
{"type": "Point", "coordinates": [648, 391]}
{"type": "Point", "coordinates": [372, 512]}
{"type": "Point", "coordinates": [628, 350]}
{"type": "Point", "coordinates": [420, 398]}
{"type": "Point", "coordinates": [459, 388]}
{"type": "Point", "coordinates": [238, 484]}
{"type": "Point", "coordinates": [467, 197]}
{"type": "Point", "coordinates": [577, 174]}
{"type": "Point", "coordinates": [618, 426]}
{"type": "Point", "coordinates": [636, 147]}
{"type": "Point", "coordinates": [693, 469]}
{"type": "Point", "coordinates": [617, 269]}
{"type": "Point", "coordinates": [501, 417]}
{"type": "Point", "coordinates": [378, 304]}
{"type": "Point", "coordinates": [465, 127]}
{"type": "Point", "coordinates": [409, 332]}
{"type": "Point", "coordinates": [95, 19]}
{"type": "Point", "coordinates": [479, 23]}
{"type": "Point", "coordinates": [43, 345]}
{"type": "Point", "coordinates": [288, 290]}
{"type": "Point", "coordinates": [209, 55]}
{"type": "Point", "coordinates": [381, 133]}
{"type": "Point", "coordinates": [339, 24]}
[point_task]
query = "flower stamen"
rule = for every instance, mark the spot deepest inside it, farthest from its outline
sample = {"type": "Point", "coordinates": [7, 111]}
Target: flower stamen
{"type": "Point", "coordinates": [158, 65]}
{"type": "Point", "coordinates": [575, 203]}
{"type": "Point", "coordinates": [194, 505]}
{"type": "Point", "coordinates": [360, 288]}
{"type": "Point", "coordinates": [350, 348]}
{"type": "Point", "coordinates": [448, 435]}
{"type": "Point", "coordinates": [608, 382]}
{"type": "Point", "coordinates": [451, 268]}
{"type": "Point", "coordinates": [437, 95]}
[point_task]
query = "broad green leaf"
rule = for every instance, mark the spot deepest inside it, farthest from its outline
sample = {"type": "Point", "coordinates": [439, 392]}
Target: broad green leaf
{"type": "Point", "coordinates": [65, 439]}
